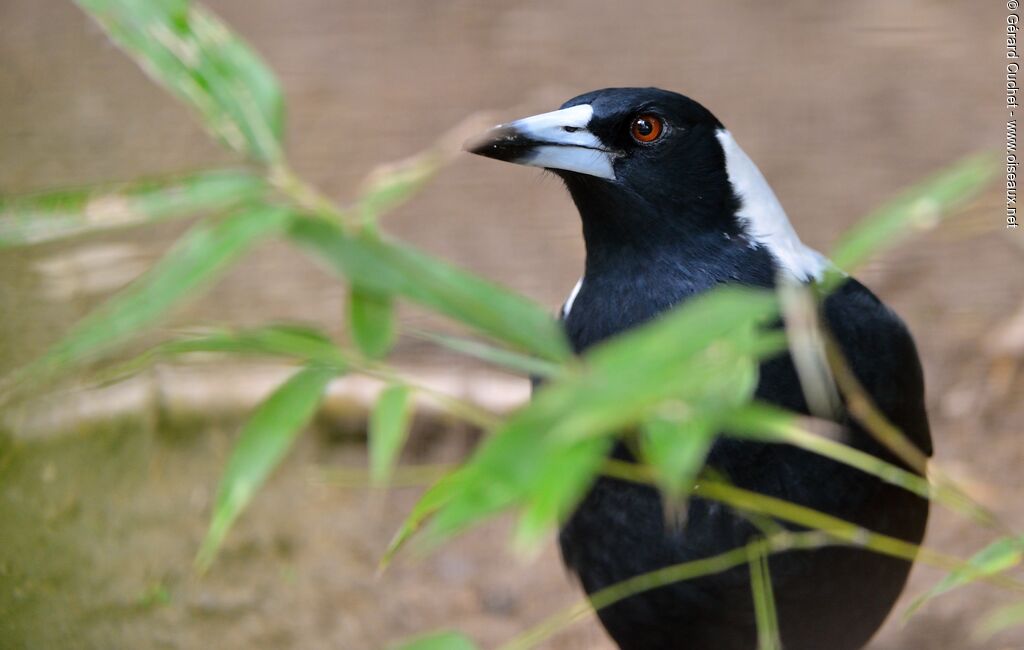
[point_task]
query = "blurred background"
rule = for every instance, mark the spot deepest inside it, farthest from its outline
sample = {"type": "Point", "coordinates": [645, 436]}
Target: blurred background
{"type": "Point", "coordinates": [840, 104]}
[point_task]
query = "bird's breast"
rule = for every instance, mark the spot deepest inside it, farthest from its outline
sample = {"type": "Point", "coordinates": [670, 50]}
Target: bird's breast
{"type": "Point", "coordinates": [620, 293]}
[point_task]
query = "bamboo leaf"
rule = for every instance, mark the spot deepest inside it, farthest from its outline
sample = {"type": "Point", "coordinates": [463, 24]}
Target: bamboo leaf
{"type": "Point", "coordinates": [800, 311]}
{"type": "Point", "coordinates": [388, 430]}
{"type": "Point", "coordinates": [262, 444]}
{"type": "Point", "coordinates": [834, 527]}
{"type": "Point", "coordinates": [290, 341]}
{"type": "Point", "coordinates": [438, 641]}
{"type": "Point", "coordinates": [638, 584]}
{"type": "Point", "coordinates": [195, 260]}
{"type": "Point", "coordinates": [678, 437]}
{"type": "Point", "coordinates": [371, 321]}
{"type": "Point", "coordinates": [1002, 554]}
{"type": "Point", "coordinates": [561, 480]}
{"type": "Point", "coordinates": [187, 49]}
{"type": "Point", "coordinates": [764, 600]}
{"type": "Point", "coordinates": [389, 186]}
{"type": "Point", "coordinates": [921, 207]}
{"type": "Point", "coordinates": [1001, 619]}
{"type": "Point", "coordinates": [436, 497]}
{"type": "Point", "coordinates": [294, 341]}
{"type": "Point", "coordinates": [768, 423]}
{"type": "Point", "coordinates": [567, 429]}
{"type": "Point", "coordinates": [54, 216]}
{"type": "Point", "coordinates": [676, 448]}
{"type": "Point", "coordinates": [508, 359]}
{"type": "Point", "coordinates": [389, 268]}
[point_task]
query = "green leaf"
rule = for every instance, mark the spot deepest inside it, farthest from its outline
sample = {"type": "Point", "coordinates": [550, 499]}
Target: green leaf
{"type": "Point", "coordinates": [764, 600]}
{"type": "Point", "coordinates": [514, 361]}
{"type": "Point", "coordinates": [193, 54]}
{"type": "Point", "coordinates": [676, 448]}
{"type": "Point", "coordinates": [261, 445]}
{"type": "Point", "coordinates": [389, 186]}
{"type": "Point", "coordinates": [290, 341]}
{"type": "Point", "coordinates": [438, 641]}
{"type": "Point", "coordinates": [298, 342]}
{"type": "Point", "coordinates": [435, 498]}
{"type": "Point", "coordinates": [1001, 619]}
{"type": "Point", "coordinates": [371, 320]}
{"type": "Point", "coordinates": [835, 528]}
{"type": "Point", "coordinates": [196, 259]}
{"type": "Point", "coordinates": [561, 479]}
{"type": "Point", "coordinates": [920, 208]}
{"type": "Point", "coordinates": [388, 430]}
{"type": "Point", "coordinates": [1002, 554]}
{"type": "Point", "coordinates": [53, 216]}
{"type": "Point", "coordinates": [721, 375]}
{"type": "Point", "coordinates": [800, 312]}
{"type": "Point", "coordinates": [568, 427]}
{"type": "Point", "coordinates": [678, 437]}
{"type": "Point", "coordinates": [389, 268]}
{"type": "Point", "coordinates": [769, 423]}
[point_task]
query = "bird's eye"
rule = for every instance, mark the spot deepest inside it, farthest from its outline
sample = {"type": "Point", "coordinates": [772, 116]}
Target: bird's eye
{"type": "Point", "coordinates": [646, 128]}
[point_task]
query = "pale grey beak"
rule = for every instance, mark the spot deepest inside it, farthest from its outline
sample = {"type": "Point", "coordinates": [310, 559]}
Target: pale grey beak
{"type": "Point", "coordinates": [555, 140]}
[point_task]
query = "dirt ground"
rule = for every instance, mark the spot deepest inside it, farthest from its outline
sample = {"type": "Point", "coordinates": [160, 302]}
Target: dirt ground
{"type": "Point", "coordinates": [841, 104]}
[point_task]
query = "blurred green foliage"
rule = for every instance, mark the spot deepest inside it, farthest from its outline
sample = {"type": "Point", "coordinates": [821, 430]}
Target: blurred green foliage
{"type": "Point", "coordinates": [388, 429]}
{"type": "Point", "coordinates": [438, 641]}
{"type": "Point", "coordinates": [54, 216]}
{"type": "Point", "coordinates": [261, 444]}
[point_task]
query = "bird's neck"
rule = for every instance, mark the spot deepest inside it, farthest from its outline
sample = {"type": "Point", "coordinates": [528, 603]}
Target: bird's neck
{"type": "Point", "coordinates": [620, 224]}
{"type": "Point", "coordinates": [694, 230]}
{"type": "Point", "coordinates": [632, 283]}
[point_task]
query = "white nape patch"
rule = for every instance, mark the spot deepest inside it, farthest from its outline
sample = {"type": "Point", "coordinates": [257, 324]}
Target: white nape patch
{"type": "Point", "coordinates": [762, 214]}
{"type": "Point", "coordinates": [567, 307]}
{"type": "Point", "coordinates": [565, 143]}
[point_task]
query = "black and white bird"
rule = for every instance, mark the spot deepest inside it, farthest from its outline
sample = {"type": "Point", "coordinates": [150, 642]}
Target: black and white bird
{"type": "Point", "coordinates": [671, 207]}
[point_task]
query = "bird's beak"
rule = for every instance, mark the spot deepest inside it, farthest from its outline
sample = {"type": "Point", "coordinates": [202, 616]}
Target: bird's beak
{"type": "Point", "coordinates": [555, 140]}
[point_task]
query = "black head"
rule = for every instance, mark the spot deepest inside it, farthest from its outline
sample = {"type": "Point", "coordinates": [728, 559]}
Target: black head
{"type": "Point", "coordinates": [640, 163]}
{"type": "Point", "coordinates": [652, 134]}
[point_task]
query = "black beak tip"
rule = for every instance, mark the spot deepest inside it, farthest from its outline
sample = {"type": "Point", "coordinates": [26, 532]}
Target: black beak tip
{"type": "Point", "coordinates": [501, 143]}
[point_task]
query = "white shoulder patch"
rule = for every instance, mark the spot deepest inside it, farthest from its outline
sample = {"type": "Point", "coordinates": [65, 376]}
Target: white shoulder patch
{"type": "Point", "coordinates": [567, 307]}
{"type": "Point", "coordinates": [762, 214]}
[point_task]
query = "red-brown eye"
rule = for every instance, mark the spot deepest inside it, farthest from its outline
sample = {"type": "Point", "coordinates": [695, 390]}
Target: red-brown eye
{"type": "Point", "coordinates": [646, 128]}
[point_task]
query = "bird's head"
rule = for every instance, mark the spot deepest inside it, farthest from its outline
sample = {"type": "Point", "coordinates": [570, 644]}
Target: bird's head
{"type": "Point", "coordinates": [645, 143]}
{"type": "Point", "coordinates": [646, 166]}
{"type": "Point", "coordinates": [632, 137]}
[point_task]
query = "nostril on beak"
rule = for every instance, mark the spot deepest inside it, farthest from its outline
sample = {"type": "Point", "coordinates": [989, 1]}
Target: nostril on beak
{"type": "Point", "coordinates": [570, 129]}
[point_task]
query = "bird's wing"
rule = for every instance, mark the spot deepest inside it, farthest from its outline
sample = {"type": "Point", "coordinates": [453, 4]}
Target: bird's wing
{"type": "Point", "coordinates": [882, 355]}
{"type": "Point", "coordinates": [881, 352]}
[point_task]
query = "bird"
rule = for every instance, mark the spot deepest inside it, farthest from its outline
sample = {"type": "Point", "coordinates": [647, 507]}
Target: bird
{"type": "Point", "coordinates": [671, 207]}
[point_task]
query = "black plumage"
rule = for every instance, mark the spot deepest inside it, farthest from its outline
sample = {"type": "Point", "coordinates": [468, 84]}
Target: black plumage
{"type": "Point", "coordinates": [664, 220]}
